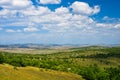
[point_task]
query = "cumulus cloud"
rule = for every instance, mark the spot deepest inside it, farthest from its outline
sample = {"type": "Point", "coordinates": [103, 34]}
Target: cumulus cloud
{"type": "Point", "coordinates": [21, 3]}
{"type": "Point", "coordinates": [61, 10]}
{"type": "Point", "coordinates": [61, 20]}
{"type": "Point", "coordinates": [49, 1]}
{"type": "Point", "coordinates": [84, 8]}
{"type": "Point", "coordinates": [15, 4]}
{"type": "Point", "coordinates": [35, 11]}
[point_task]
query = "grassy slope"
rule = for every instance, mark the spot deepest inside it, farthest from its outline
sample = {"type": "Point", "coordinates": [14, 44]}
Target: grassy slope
{"type": "Point", "coordinates": [8, 72]}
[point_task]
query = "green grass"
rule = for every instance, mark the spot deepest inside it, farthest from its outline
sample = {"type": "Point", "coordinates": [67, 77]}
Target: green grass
{"type": "Point", "coordinates": [8, 72]}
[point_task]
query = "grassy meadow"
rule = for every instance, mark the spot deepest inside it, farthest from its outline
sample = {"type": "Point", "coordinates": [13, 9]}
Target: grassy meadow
{"type": "Point", "coordinates": [92, 63]}
{"type": "Point", "coordinates": [8, 72]}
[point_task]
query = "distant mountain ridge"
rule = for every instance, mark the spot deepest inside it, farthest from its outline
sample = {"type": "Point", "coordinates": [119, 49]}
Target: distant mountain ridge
{"type": "Point", "coordinates": [30, 45]}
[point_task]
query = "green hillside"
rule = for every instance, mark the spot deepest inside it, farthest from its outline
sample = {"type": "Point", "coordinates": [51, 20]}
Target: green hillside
{"type": "Point", "coordinates": [8, 72]}
{"type": "Point", "coordinates": [92, 63]}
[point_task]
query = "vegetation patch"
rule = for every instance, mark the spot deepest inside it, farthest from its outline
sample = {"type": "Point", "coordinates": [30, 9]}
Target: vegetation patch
{"type": "Point", "coordinates": [92, 63]}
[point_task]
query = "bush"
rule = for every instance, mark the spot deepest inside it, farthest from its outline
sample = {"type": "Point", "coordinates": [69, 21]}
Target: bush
{"type": "Point", "coordinates": [1, 58]}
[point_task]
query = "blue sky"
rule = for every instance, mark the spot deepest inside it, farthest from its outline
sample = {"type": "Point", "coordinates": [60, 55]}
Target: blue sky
{"type": "Point", "coordinates": [60, 21]}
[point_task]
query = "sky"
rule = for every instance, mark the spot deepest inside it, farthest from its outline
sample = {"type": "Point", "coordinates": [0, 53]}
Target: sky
{"type": "Point", "coordinates": [60, 21]}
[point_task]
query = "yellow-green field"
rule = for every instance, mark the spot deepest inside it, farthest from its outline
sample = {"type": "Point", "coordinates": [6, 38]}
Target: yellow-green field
{"type": "Point", "coordinates": [34, 51]}
{"type": "Point", "coordinates": [8, 72]}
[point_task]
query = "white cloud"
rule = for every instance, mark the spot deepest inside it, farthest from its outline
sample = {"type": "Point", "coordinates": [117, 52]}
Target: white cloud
{"type": "Point", "coordinates": [106, 18]}
{"type": "Point", "coordinates": [10, 30]}
{"type": "Point", "coordinates": [35, 11]}
{"type": "Point", "coordinates": [60, 25]}
{"type": "Point", "coordinates": [11, 8]}
{"type": "Point", "coordinates": [104, 25]}
{"type": "Point", "coordinates": [30, 29]}
{"type": "Point", "coordinates": [108, 25]}
{"type": "Point", "coordinates": [62, 20]}
{"type": "Point", "coordinates": [50, 1]}
{"type": "Point", "coordinates": [117, 26]}
{"type": "Point", "coordinates": [96, 9]}
{"type": "Point", "coordinates": [21, 3]}
{"type": "Point", "coordinates": [111, 20]}
{"type": "Point", "coordinates": [4, 12]}
{"type": "Point", "coordinates": [84, 8]}
{"type": "Point", "coordinates": [3, 2]}
{"type": "Point", "coordinates": [15, 4]}
{"type": "Point", "coordinates": [64, 23]}
{"type": "Point", "coordinates": [62, 10]}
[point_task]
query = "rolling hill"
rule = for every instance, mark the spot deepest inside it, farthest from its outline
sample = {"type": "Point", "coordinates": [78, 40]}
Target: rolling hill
{"type": "Point", "coordinates": [8, 72]}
